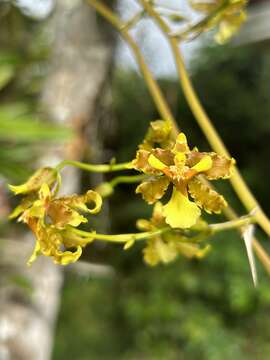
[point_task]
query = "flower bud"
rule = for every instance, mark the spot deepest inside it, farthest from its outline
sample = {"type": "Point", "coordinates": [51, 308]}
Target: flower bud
{"type": "Point", "coordinates": [44, 175]}
{"type": "Point", "coordinates": [105, 189]}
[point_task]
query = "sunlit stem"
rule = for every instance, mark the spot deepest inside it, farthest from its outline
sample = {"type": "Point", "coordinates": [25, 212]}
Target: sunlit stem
{"type": "Point", "coordinates": [58, 183]}
{"type": "Point", "coordinates": [133, 21]}
{"type": "Point", "coordinates": [203, 120]}
{"type": "Point", "coordinates": [180, 35]}
{"type": "Point", "coordinates": [233, 224]}
{"type": "Point", "coordinates": [153, 87]}
{"type": "Point", "coordinates": [119, 238]}
{"type": "Point", "coordinates": [106, 189]}
{"type": "Point", "coordinates": [98, 168]}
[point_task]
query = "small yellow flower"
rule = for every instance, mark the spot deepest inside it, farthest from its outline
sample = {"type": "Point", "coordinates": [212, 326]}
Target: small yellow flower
{"type": "Point", "coordinates": [52, 220]}
{"type": "Point", "coordinates": [61, 211]}
{"type": "Point", "coordinates": [229, 25]}
{"type": "Point", "coordinates": [52, 242]}
{"type": "Point", "coordinates": [226, 15]}
{"type": "Point", "coordinates": [181, 167]}
{"type": "Point", "coordinates": [166, 247]}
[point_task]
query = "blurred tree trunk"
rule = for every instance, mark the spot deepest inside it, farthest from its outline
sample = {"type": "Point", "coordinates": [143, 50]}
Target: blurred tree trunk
{"type": "Point", "coordinates": [80, 63]}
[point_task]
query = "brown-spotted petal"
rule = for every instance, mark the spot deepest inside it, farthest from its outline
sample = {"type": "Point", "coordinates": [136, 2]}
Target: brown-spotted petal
{"type": "Point", "coordinates": [222, 167]}
{"type": "Point", "coordinates": [45, 175]}
{"type": "Point", "coordinates": [141, 163]}
{"type": "Point", "coordinates": [164, 155]}
{"type": "Point", "coordinates": [62, 215]}
{"type": "Point", "coordinates": [205, 197]}
{"type": "Point", "coordinates": [153, 189]}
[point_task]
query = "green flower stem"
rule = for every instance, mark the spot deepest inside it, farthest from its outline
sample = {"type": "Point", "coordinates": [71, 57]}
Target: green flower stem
{"type": "Point", "coordinates": [119, 238]}
{"type": "Point", "coordinates": [100, 168]}
{"type": "Point", "coordinates": [106, 189]}
{"type": "Point", "coordinates": [233, 224]}
{"type": "Point", "coordinates": [203, 235]}
{"type": "Point", "coordinates": [123, 238]}
{"type": "Point", "coordinates": [127, 179]}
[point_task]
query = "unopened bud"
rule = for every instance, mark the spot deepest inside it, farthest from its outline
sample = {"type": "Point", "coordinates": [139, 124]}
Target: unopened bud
{"type": "Point", "coordinates": [44, 175]}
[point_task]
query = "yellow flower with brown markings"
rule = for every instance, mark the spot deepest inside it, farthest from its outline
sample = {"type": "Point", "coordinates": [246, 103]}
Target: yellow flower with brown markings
{"type": "Point", "coordinates": [182, 168]}
{"type": "Point", "coordinates": [166, 247]}
{"type": "Point", "coordinates": [52, 219]}
{"type": "Point", "coordinates": [45, 175]}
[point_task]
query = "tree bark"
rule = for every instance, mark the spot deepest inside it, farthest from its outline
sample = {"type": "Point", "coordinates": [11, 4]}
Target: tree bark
{"type": "Point", "coordinates": [80, 62]}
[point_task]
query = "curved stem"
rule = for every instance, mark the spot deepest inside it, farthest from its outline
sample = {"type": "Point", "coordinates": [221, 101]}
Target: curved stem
{"type": "Point", "coordinates": [127, 179]}
{"type": "Point", "coordinates": [199, 25]}
{"type": "Point", "coordinates": [106, 189]}
{"type": "Point", "coordinates": [120, 238]}
{"type": "Point", "coordinates": [100, 168]}
{"type": "Point", "coordinates": [153, 87]}
{"type": "Point", "coordinates": [232, 224]}
{"type": "Point", "coordinates": [208, 129]}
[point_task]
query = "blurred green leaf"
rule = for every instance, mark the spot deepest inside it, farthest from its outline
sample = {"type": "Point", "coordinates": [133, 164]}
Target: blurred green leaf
{"type": "Point", "coordinates": [17, 123]}
{"type": "Point", "coordinates": [7, 72]}
{"type": "Point", "coordinates": [27, 128]}
{"type": "Point", "coordinates": [9, 58]}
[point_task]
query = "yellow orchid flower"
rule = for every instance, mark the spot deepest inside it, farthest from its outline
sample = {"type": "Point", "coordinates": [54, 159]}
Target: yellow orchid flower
{"type": "Point", "coordinates": [226, 15]}
{"type": "Point", "coordinates": [167, 246]}
{"type": "Point", "coordinates": [52, 219]}
{"type": "Point", "coordinates": [180, 166]}
{"type": "Point", "coordinates": [52, 242]}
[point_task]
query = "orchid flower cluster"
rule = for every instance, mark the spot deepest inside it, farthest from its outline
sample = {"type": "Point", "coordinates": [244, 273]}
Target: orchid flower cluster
{"type": "Point", "coordinates": [167, 165]}
{"type": "Point", "coordinates": [52, 219]}
{"type": "Point", "coordinates": [175, 179]}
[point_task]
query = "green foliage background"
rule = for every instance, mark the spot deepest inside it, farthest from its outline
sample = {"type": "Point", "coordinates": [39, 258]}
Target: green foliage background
{"type": "Point", "coordinates": [190, 309]}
